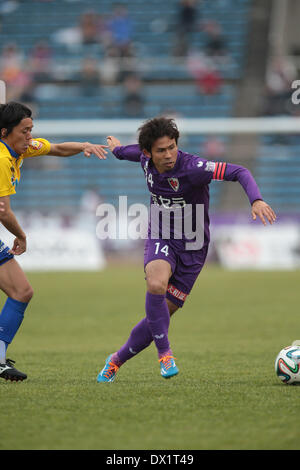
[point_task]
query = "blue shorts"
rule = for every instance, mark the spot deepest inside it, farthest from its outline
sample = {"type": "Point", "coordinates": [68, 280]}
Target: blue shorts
{"type": "Point", "coordinates": [4, 255]}
{"type": "Point", "coordinates": [185, 265]}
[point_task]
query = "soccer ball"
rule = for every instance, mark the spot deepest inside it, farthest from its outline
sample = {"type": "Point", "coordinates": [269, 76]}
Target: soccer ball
{"type": "Point", "coordinates": [287, 365]}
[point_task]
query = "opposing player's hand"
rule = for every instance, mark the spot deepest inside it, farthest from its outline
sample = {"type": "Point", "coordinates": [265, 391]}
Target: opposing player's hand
{"type": "Point", "coordinates": [263, 210]}
{"type": "Point", "coordinates": [98, 150]}
{"type": "Point", "coordinates": [19, 246]}
{"type": "Point", "coordinates": [112, 142]}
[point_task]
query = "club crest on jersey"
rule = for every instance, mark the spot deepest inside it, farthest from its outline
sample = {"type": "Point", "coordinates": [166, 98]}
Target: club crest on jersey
{"type": "Point", "coordinates": [174, 183]}
{"type": "Point", "coordinates": [36, 145]}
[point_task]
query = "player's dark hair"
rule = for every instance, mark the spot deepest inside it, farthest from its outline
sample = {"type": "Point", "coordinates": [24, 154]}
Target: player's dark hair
{"type": "Point", "coordinates": [156, 128]}
{"type": "Point", "coordinates": [11, 114]}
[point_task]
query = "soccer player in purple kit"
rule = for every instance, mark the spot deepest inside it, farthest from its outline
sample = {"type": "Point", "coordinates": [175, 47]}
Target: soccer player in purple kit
{"type": "Point", "coordinates": [174, 179]}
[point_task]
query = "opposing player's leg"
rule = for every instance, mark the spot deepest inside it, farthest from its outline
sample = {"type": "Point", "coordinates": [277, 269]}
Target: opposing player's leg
{"type": "Point", "coordinates": [15, 285]}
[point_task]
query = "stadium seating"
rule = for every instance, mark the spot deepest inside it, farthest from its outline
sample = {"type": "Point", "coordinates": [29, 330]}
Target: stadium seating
{"type": "Point", "coordinates": [168, 87]}
{"type": "Point", "coordinates": [277, 171]}
{"type": "Point", "coordinates": [48, 17]}
{"type": "Point", "coordinates": [159, 99]}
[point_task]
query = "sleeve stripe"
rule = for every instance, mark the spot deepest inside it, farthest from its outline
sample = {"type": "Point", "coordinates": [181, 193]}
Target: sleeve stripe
{"type": "Point", "coordinates": [219, 171]}
{"type": "Point", "coordinates": [223, 171]}
{"type": "Point", "coordinates": [214, 175]}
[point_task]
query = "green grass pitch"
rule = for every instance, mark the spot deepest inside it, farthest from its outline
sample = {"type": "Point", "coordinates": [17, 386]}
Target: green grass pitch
{"type": "Point", "coordinates": [225, 339]}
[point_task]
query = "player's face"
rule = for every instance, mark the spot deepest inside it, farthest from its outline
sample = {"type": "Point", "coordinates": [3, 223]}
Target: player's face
{"type": "Point", "coordinates": [20, 136]}
{"type": "Point", "coordinates": [164, 154]}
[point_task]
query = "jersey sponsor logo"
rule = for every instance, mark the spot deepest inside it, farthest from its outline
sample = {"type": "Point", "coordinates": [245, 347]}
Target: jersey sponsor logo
{"type": "Point", "coordinates": [168, 203]}
{"type": "Point", "coordinates": [174, 183]}
{"type": "Point", "coordinates": [176, 292]}
{"type": "Point", "coordinates": [199, 164]}
{"type": "Point", "coordinates": [36, 144]}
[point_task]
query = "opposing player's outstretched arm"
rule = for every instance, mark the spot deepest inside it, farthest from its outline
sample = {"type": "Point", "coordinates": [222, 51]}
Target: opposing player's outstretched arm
{"type": "Point", "coordinates": [67, 149]}
{"type": "Point", "coordinates": [127, 152]}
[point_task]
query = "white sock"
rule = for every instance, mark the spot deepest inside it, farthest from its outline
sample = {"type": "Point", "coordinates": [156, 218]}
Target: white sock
{"type": "Point", "coordinates": [2, 352]}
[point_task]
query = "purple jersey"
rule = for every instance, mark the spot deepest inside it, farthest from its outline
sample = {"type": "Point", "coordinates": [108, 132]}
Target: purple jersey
{"type": "Point", "coordinates": [187, 183]}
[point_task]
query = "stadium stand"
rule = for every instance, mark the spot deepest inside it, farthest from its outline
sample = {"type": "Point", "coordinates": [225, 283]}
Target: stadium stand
{"type": "Point", "coordinates": [169, 84]}
{"type": "Point", "coordinates": [277, 170]}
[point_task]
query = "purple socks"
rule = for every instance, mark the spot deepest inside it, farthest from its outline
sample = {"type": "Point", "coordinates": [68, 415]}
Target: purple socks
{"type": "Point", "coordinates": [158, 318]}
{"type": "Point", "coordinates": [140, 337]}
{"type": "Point", "coordinates": [154, 327]}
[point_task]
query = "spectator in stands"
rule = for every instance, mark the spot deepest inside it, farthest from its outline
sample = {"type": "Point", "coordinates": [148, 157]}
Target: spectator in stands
{"type": "Point", "coordinates": [89, 77]}
{"type": "Point", "coordinates": [133, 101]}
{"type": "Point", "coordinates": [16, 75]}
{"type": "Point", "coordinates": [215, 45]}
{"type": "Point", "coordinates": [12, 58]}
{"type": "Point", "coordinates": [207, 77]}
{"type": "Point", "coordinates": [8, 6]}
{"type": "Point", "coordinates": [110, 66]}
{"type": "Point", "coordinates": [88, 32]}
{"type": "Point", "coordinates": [90, 28]}
{"type": "Point", "coordinates": [187, 16]}
{"type": "Point", "coordinates": [280, 75]}
{"type": "Point", "coordinates": [187, 19]}
{"type": "Point", "coordinates": [41, 61]}
{"type": "Point", "coordinates": [120, 27]}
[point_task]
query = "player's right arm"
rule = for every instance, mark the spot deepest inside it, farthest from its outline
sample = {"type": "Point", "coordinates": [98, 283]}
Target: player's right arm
{"type": "Point", "coordinates": [127, 152]}
{"type": "Point", "coordinates": [9, 220]}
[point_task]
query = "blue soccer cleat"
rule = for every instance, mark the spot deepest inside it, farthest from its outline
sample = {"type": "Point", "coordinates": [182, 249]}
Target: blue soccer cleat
{"type": "Point", "coordinates": [108, 373]}
{"type": "Point", "coordinates": [168, 367]}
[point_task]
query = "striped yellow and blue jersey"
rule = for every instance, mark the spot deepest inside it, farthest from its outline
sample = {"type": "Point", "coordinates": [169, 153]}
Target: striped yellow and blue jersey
{"type": "Point", "coordinates": [11, 162]}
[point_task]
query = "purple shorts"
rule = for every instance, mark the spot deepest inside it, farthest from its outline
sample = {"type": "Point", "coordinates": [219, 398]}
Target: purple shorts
{"type": "Point", "coordinates": [186, 266]}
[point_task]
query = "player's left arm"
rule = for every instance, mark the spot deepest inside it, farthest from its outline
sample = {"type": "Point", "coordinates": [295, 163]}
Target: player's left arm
{"type": "Point", "coordinates": [68, 149]}
{"type": "Point", "coordinates": [259, 208]}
